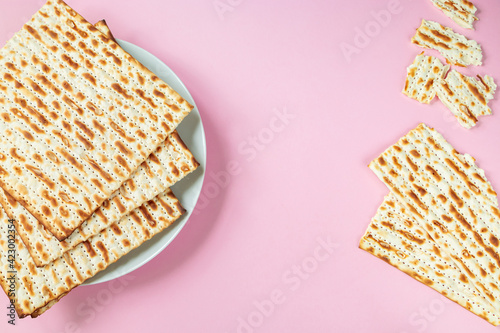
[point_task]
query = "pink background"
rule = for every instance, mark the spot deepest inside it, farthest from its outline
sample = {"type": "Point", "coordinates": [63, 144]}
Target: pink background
{"type": "Point", "coordinates": [268, 208]}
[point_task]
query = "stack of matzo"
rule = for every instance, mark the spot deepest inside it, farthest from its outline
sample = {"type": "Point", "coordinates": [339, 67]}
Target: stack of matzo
{"type": "Point", "coordinates": [89, 151]}
{"type": "Point", "coordinates": [440, 223]}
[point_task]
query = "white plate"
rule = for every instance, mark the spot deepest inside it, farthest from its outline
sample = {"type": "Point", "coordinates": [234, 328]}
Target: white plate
{"type": "Point", "coordinates": [187, 190]}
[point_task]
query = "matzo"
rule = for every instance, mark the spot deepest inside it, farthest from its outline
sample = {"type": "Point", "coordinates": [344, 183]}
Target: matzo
{"type": "Point", "coordinates": [103, 27]}
{"type": "Point", "coordinates": [450, 194]}
{"type": "Point", "coordinates": [38, 288]}
{"type": "Point", "coordinates": [456, 48]}
{"type": "Point", "coordinates": [421, 77]}
{"type": "Point", "coordinates": [466, 97]}
{"type": "Point", "coordinates": [77, 117]}
{"type": "Point", "coordinates": [460, 11]}
{"type": "Point", "coordinates": [171, 162]}
{"type": "Point", "coordinates": [398, 239]}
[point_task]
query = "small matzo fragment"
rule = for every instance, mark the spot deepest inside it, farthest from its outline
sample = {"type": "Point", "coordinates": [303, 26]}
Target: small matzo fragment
{"type": "Point", "coordinates": [399, 240]}
{"type": "Point", "coordinates": [460, 11]}
{"type": "Point", "coordinates": [466, 97]}
{"type": "Point", "coordinates": [452, 197]}
{"type": "Point", "coordinates": [456, 48]}
{"type": "Point", "coordinates": [421, 77]}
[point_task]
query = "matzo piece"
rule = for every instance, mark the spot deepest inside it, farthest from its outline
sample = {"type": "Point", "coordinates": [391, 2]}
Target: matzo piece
{"type": "Point", "coordinates": [171, 162]}
{"type": "Point", "coordinates": [460, 11]}
{"type": "Point", "coordinates": [103, 27]}
{"type": "Point", "coordinates": [77, 116]}
{"type": "Point", "coordinates": [398, 239]}
{"type": "Point", "coordinates": [450, 194]}
{"type": "Point", "coordinates": [465, 96]}
{"type": "Point", "coordinates": [421, 77]}
{"type": "Point", "coordinates": [38, 288]}
{"type": "Point", "coordinates": [456, 48]}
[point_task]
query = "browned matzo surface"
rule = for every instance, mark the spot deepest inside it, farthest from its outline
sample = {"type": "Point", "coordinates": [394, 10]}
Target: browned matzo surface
{"type": "Point", "coordinates": [78, 115]}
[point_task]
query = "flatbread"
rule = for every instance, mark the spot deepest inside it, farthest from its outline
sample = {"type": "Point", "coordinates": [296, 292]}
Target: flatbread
{"type": "Point", "coordinates": [171, 162]}
{"type": "Point", "coordinates": [103, 27]}
{"type": "Point", "coordinates": [466, 97]}
{"type": "Point", "coordinates": [456, 48]}
{"type": "Point", "coordinates": [460, 11]}
{"type": "Point", "coordinates": [421, 77]}
{"type": "Point", "coordinates": [452, 197]}
{"type": "Point", "coordinates": [77, 116]}
{"type": "Point", "coordinates": [399, 240]}
{"type": "Point", "coordinates": [38, 288]}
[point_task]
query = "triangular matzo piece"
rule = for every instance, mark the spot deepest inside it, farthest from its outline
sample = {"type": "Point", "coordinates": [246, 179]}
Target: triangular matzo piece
{"type": "Point", "coordinates": [451, 195]}
{"type": "Point", "coordinates": [421, 77]}
{"type": "Point", "coordinates": [456, 48]}
{"type": "Point", "coordinates": [171, 162]}
{"type": "Point", "coordinates": [465, 96]}
{"type": "Point", "coordinates": [77, 116]}
{"type": "Point", "coordinates": [38, 288]}
{"type": "Point", "coordinates": [103, 27]}
{"type": "Point", "coordinates": [399, 240]}
{"type": "Point", "coordinates": [460, 11]}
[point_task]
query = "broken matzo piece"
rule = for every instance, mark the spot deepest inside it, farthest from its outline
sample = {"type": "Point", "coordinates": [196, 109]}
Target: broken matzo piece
{"type": "Point", "coordinates": [461, 11]}
{"type": "Point", "coordinates": [456, 48]}
{"type": "Point", "coordinates": [466, 97]}
{"type": "Point", "coordinates": [421, 77]}
{"type": "Point", "coordinates": [399, 239]}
